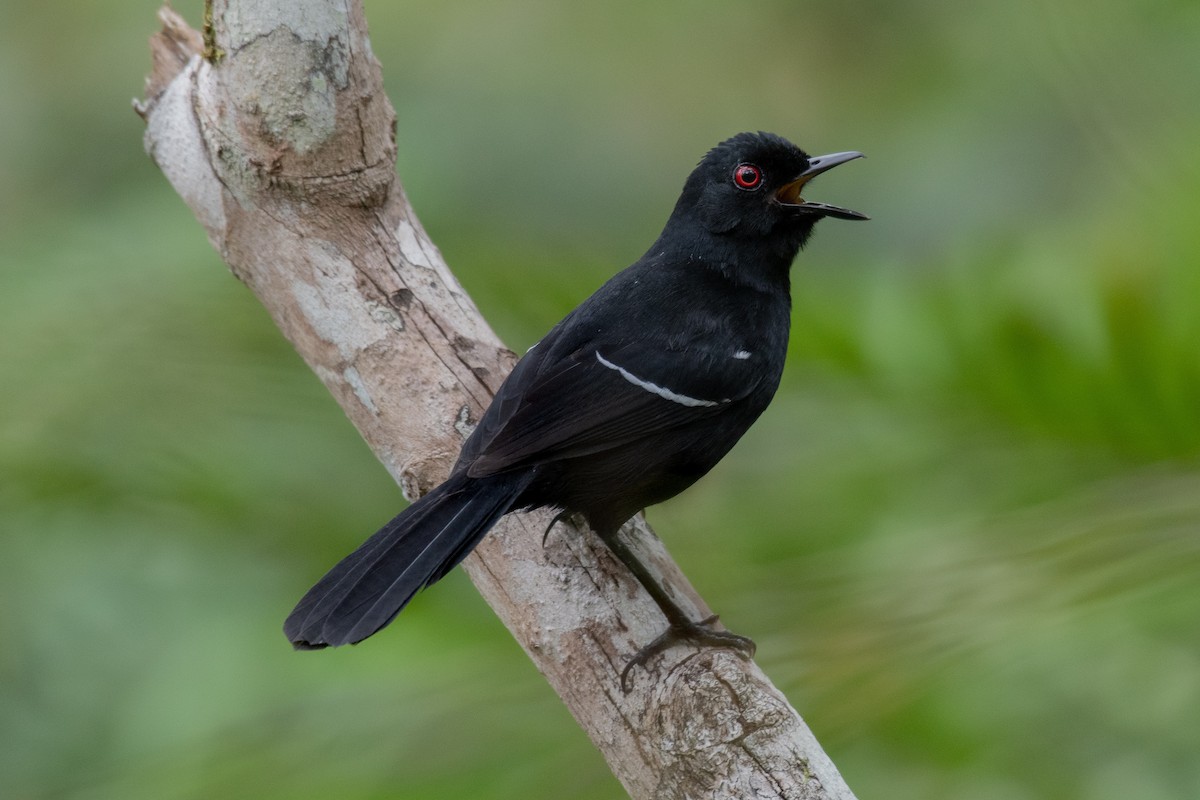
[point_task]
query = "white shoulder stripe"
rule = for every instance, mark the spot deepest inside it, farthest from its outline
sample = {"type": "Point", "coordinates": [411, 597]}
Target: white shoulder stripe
{"type": "Point", "coordinates": [654, 388]}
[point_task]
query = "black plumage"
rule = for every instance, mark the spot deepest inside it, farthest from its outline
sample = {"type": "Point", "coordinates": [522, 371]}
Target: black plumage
{"type": "Point", "coordinates": [626, 402]}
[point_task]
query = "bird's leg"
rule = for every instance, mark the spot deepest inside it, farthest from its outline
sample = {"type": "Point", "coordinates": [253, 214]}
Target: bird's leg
{"type": "Point", "coordinates": [681, 628]}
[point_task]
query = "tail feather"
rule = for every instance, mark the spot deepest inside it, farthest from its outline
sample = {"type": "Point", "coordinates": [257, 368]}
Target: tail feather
{"type": "Point", "coordinates": [369, 587]}
{"type": "Point", "coordinates": [305, 624]}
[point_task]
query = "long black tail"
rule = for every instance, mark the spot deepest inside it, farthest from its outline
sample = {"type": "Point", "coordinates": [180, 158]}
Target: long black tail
{"type": "Point", "coordinates": [369, 587]}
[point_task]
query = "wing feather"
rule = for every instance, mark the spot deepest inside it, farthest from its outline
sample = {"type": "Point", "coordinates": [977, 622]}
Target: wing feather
{"type": "Point", "coordinates": [582, 404]}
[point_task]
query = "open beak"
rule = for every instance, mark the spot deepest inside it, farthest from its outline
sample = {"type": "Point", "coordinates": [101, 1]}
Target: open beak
{"type": "Point", "coordinates": [789, 195]}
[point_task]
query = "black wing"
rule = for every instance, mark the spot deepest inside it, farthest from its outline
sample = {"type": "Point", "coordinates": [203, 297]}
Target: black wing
{"type": "Point", "coordinates": [596, 397]}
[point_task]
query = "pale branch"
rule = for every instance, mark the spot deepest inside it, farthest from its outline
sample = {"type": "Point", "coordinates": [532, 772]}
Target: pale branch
{"type": "Point", "coordinates": [275, 130]}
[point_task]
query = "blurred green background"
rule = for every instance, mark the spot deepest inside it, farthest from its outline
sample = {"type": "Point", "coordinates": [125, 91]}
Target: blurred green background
{"type": "Point", "coordinates": [966, 536]}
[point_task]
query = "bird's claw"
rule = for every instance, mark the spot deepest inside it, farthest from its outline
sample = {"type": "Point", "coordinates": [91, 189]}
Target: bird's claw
{"type": "Point", "coordinates": [559, 517]}
{"type": "Point", "coordinates": [699, 633]}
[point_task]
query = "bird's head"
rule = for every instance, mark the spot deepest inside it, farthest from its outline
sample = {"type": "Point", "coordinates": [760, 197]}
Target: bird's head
{"type": "Point", "coordinates": [749, 186]}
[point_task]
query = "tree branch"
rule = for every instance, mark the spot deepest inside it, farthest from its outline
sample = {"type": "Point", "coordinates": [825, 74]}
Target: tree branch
{"type": "Point", "coordinates": [281, 140]}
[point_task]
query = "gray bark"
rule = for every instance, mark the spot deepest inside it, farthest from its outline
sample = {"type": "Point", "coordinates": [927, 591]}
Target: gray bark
{"type": "Point", "coordinates": [274, 128]}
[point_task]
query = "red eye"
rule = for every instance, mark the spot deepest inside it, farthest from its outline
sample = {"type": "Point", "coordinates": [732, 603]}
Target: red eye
{"type": "Point", "coordinates": [747, 176]}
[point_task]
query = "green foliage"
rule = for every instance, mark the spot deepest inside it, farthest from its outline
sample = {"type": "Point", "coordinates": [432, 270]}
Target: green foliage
{"type": "Point", "coordinates": [966, 536]}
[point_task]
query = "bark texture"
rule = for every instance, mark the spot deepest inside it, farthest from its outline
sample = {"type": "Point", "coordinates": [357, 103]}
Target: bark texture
{"type": "Point", "coordinates": [274, 128]}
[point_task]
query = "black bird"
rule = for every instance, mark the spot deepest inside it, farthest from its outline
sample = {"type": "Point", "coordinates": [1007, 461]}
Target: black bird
{"type": "Point", "coordinates": [626, 402]}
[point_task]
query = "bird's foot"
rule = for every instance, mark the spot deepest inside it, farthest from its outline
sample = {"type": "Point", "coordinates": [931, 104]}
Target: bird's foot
{"type": "Point", "coordinates": [561, 516]}
{"type": "Point", "coordinates": [699, 633]}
